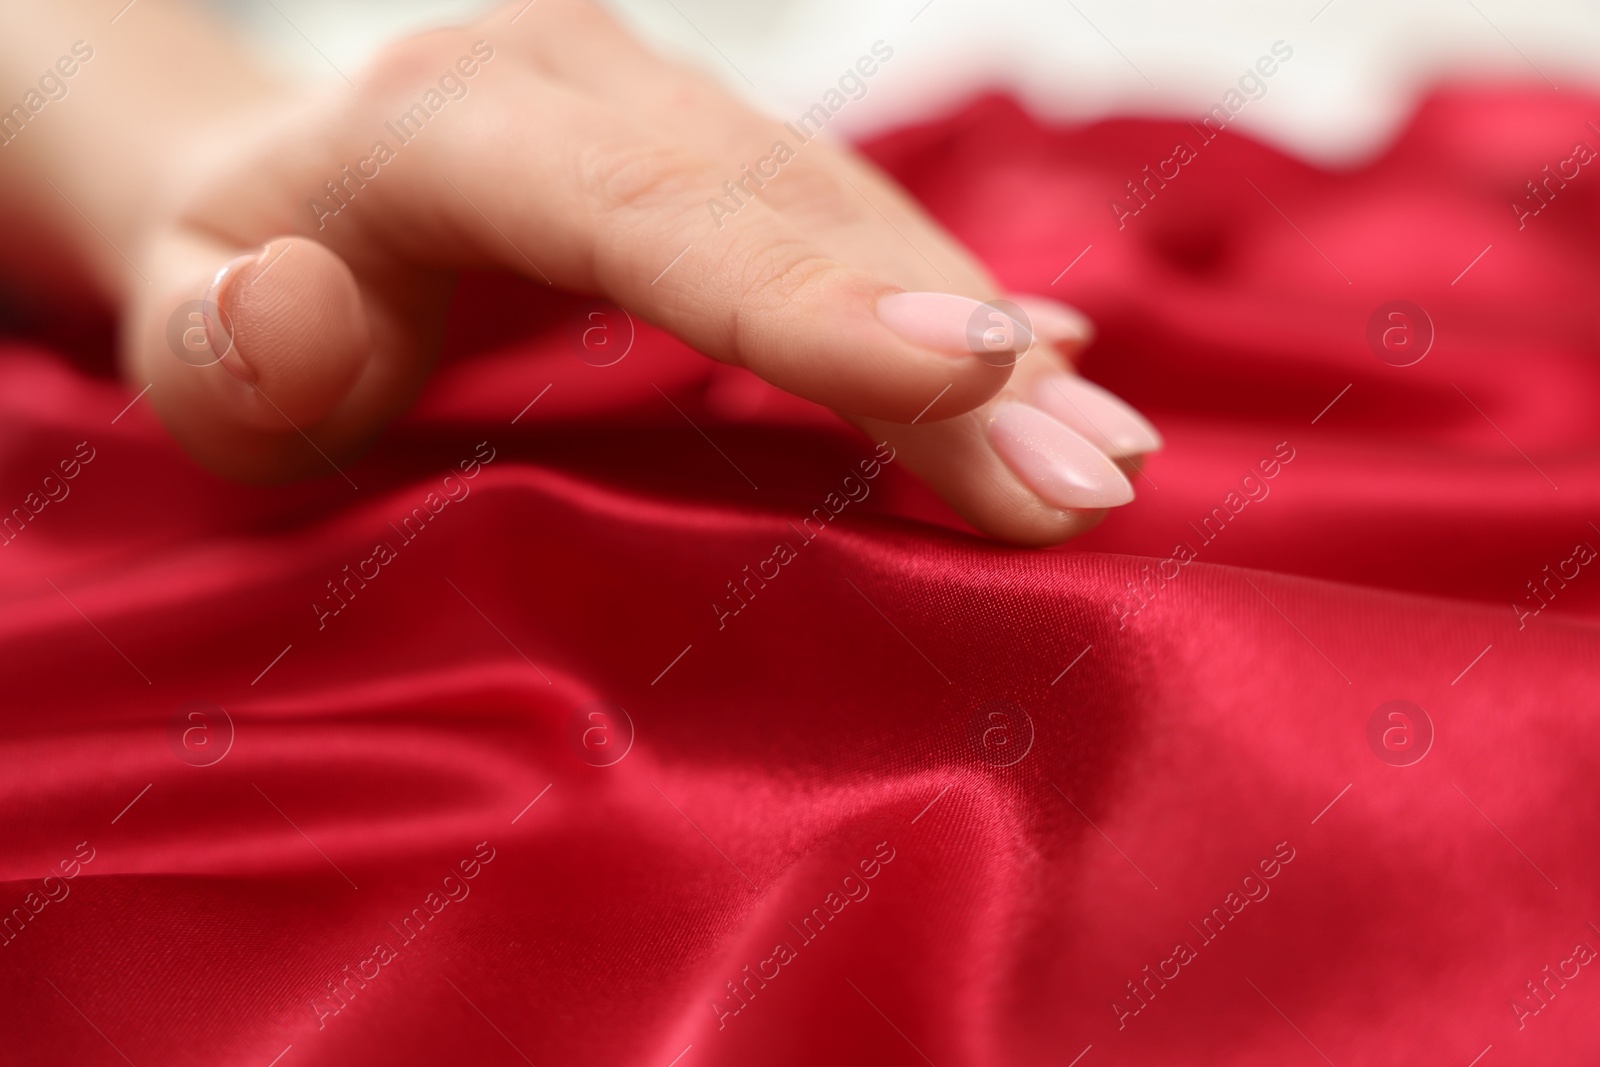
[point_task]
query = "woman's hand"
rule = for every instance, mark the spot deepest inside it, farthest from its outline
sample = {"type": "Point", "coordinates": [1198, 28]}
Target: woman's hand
{"type": "Point", "coordinates": [318, 242]}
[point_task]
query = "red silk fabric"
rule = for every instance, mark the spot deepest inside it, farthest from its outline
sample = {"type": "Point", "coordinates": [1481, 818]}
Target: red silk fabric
{"type": "Point", "coordinates": [922, 798]}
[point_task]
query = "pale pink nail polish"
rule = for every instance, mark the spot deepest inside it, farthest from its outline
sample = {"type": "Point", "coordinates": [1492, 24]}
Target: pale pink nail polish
{"type": "Point", "coordinates": [218, 321]}
{"type": "Point", "coordinates": [1065, 470]}
{"type": "Point", "coordinates": [1105, 420]}
{"type": "Point", "coordinates": [954, 324]}
{"type": "Point", "coordinates": [1055, 321]}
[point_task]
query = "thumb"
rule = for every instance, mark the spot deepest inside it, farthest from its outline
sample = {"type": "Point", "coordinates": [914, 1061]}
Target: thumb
{"type": "Point", "coordinates": [247, 354]}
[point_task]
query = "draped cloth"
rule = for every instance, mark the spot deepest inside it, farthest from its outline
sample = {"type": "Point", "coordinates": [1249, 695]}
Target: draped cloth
{"type": "Point", "coordinates": [628, 711]}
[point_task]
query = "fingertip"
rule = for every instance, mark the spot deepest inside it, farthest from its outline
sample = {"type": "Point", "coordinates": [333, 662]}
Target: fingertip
{"type": "Point", "coordinates": [1114, 426]}
{"type": "Point", "coordinates": [847, 340]}
{"type": "Point", "coordinates": [247, 362]}
{"type": "Point", "coordinates": [1030, 522]}
{"type": "Point", "coordinates": [957, 325]}
{"type": "Point", "coordinates": [959, 460]}
{"type": "Point", "coordinates": [1061, 466]}
{"type": "Point", "coordinates": [1059, 324]}
{"type": "Point", "coordinates": [295, 331]}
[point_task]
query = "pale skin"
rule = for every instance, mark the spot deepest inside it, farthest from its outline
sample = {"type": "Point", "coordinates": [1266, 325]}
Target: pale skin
{"type": "Point", "coordinates": [576, 158]}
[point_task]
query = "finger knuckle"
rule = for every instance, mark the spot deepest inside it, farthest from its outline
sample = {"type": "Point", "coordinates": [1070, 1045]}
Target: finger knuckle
{"type": "Point", "coordinates": [772, 276]}
{"type": "Point", "coordinates": [634, 178]}
{"type": "Point", "coordinates": [814, 192]}
{"type": "Point", "coordinates": [405, 67]}
{"type": "Point", "coordinates": [567, 16]}
{"type": "Point", "coordinates": [780, 271]}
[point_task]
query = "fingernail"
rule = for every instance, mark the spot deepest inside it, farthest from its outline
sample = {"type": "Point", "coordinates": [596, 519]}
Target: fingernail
{"type": "Point", "coordinates": [1098, 415]}
{"type": "Point", "coordinates": [1055, 321]}
{"type": "Point", "coordinates": [954, 324]}
{"type": "Point", "coordinates": [219, 322]}
{"type": "Point", "coordinates": [1065, 470]}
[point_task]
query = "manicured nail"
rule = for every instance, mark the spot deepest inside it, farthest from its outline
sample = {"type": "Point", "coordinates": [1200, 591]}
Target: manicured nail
{"type": "Point", "coordinates": [1098, 415]}
{"type": "Point", "coordinates": [1065, 470]}
{"type": "Point", "coordinates": [219, 322]}
{"type": "Point", "coordinates": [955, 324]}
{"type": "Point", "coordinates": [1055, 321]}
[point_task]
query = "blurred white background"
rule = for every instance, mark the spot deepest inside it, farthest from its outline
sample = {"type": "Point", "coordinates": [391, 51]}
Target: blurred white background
{"type": "Point", "coordinates": [1357, 68]}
